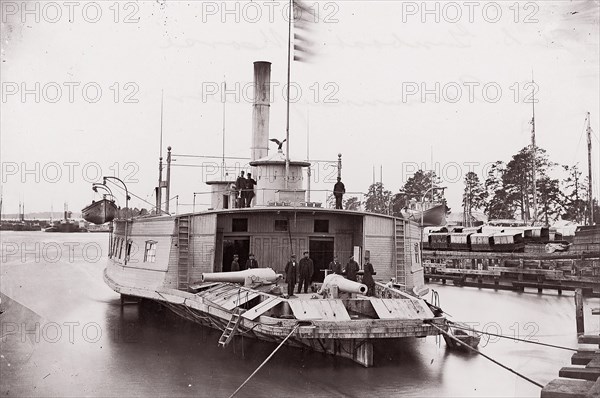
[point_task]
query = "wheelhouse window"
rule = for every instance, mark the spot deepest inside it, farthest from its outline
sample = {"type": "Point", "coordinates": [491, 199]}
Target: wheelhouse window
{"type": "Point", "coordinates": [281, 225]}
{"type": "Point", "coordinates": [239, 225]}
{"type": "Point", "coordinates": [321, 226]}
{"type": "Point", "coordinates": [150, 251]}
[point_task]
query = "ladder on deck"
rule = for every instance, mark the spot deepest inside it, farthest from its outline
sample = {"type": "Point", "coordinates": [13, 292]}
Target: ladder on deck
{"type": "Point", "coordinates": [183, 246]}
{"type": "Point", "coordinates": [230, 329]}
{"type": "Point", "coordinates": [402, 246]}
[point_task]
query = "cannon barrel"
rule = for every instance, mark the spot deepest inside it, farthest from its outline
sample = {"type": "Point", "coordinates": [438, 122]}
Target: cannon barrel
{"type": "Point", "coordinates": [343, 284]}
{"type": "Point", "coordinates": [256, 274]}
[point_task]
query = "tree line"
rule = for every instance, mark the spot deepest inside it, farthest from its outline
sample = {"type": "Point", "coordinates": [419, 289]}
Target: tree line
{"type": "Point", "coordinates": [506, 193]}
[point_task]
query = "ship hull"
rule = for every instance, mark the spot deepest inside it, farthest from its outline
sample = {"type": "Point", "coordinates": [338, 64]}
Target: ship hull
{"type": "Point", "coordinates": [353, 339]}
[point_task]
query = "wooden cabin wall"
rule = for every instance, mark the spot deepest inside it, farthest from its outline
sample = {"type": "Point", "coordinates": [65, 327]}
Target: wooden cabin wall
{"type": "Point", "coordinates": [202, 245]}
{"type": "Point", "coordinates": [412, 256]}
{"type": "Point", "coordinates": [379, 240]}
{"type": "Point", "coordinates": [272, 248]}
{"type": "Point", "coordinates": [136, 271]}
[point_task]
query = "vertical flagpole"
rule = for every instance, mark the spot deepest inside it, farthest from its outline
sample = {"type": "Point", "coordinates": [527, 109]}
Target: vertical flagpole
{"type": "Point", "coordinates": [590, 186]}
{"type": "Point", "coordinates": [287, 119]}
{"type": "Point", "coordinates": [533, 150]}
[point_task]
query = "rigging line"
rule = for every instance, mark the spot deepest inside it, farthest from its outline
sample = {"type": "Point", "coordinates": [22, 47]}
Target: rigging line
{"type": "Point", "coordinates": [580, 137]}
{"type": "Point", "coordinates": [266, 360]}
{"type": "Point", "coordinates": [514, 338]}
{"type": "Point", "coordinates": [132, 194]}
{"type": "Point", "coordinates": [209, 157]}
{"type": "Point", "coordinates": [486, 356]}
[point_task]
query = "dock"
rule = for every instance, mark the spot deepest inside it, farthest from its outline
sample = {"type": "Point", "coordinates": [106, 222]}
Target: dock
{"type": "Point", "coordinates": [515, 271]}
{"type": "Point", "coordinates": [583, 379]}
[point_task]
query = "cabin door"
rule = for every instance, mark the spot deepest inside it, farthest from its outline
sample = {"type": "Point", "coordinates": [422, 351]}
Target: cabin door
{"type": "Point", "coordinates": [321, 252]}
{"type": "Point", "coordinates": [231, 246]}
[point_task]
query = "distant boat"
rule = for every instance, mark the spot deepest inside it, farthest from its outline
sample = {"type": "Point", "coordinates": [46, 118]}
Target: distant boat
{"type": "Point", "coordinates": [65, 225]}
{"type": "Point", "coordinates": [100, 212]}
{"type": "Point", "coordinates": [430, 214]}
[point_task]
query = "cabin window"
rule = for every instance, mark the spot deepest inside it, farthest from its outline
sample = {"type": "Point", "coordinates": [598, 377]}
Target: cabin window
{"type": "Point", "coordinates": [115, 246]}
{"type": "Point", "coordinates": [281, 225]}
{"type": "Point", "coordinates": [150, 251]}
{"type": "Point", "coordinates": [239, 225]}
{"type": "Point", "coordinates": [129, 244]}
{"type": "Point", "coordinates": [322, 226]}
{"type": "Point", "coordinates": [120, 248]}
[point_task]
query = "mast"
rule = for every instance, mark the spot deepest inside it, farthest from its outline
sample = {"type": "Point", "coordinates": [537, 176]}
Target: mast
{"type": "Point", "coordinates": [160, 165]}
{"type": "Point", "coordinates": [223, 157]}
{"type": "Point", "coordinates": [168, 182]}
{"type": "Point", "coordinates": [533, 151]}
{"type": "Point", "coordinates": [287, 116]}
{"type": "Point", "coordinates": [308, 172]}
{"type": "Point", "coordinates": [590, 192]}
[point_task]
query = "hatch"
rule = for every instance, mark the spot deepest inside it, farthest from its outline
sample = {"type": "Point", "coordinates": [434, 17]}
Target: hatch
{"type": "Point", "coordinates": [401, 309]}
{"type": "Point", "coordinates": [261, 308]}
{"type": "Point", "coordinates": [327, 310]}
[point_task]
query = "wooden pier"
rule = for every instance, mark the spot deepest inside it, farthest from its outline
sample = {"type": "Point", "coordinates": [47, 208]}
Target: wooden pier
{"type": "Point", "coordinates": [515, 271]}
{"type": "Point", "coordinates": [583, 379]}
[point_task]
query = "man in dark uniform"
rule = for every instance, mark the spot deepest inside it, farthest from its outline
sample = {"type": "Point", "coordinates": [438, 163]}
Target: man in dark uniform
{"type": "Point", "coordinates": [335, 266]}
{"type": "Point", "coordinates": [291, 270]}
{"type": "Point", "coordinates": [240, 190]}
{"type": "Point", "coordinates": [338, 191]}
{"type": "Point", "coordinates": [367, 278]}
{"type": "Point", "coordinates": [251, 262]}
{"type": "Point", "coordinates": [250, 183]}
{"type": "Point", "coordinates": [351, 269]}
{"type": "Point", "coordinates": [306, 272]}
{"type": "Point", "coordinates": [235, 265]}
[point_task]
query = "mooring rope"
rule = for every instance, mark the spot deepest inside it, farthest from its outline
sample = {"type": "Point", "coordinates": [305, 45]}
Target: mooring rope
{"type": "Point", "coordinates": [485, 356]}
{"type": "Point", "coordinates": [265, 361]}
{"type": "Point", "coordinates": [514, 338]}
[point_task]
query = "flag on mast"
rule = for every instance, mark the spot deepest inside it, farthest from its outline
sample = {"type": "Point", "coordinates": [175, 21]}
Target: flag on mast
{"type": "Point", "coordinates": [304, 20]}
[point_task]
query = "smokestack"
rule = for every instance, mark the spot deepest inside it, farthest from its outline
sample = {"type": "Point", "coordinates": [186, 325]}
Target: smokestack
{"type": "Point", "coordinates": [260, 112]}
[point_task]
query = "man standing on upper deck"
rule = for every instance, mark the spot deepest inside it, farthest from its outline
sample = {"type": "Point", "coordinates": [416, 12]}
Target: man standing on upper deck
{"type": "Point", "coordinates": [291, 271]}
{"type": "Point", "coordinates": [240, 190]}
{"type": "Point", "coordinates": [250, 183]}
{"type": "Point", "coordinates": [306, 272]}
{"type": "Point", "coordinates": [338, 191]}
{"type": "Point", "coordinates": [351, 269]}
{"type": "Point", "coordinates": [251, 262]}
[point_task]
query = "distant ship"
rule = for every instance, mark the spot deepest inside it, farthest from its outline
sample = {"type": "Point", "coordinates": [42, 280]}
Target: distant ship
{"type": "Point", "coordinates": [66, 224]}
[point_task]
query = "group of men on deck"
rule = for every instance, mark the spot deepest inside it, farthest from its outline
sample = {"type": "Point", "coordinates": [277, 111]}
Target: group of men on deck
{"type": "Point", "coordinates": [250, 263]}
{"type": "Point", "coordinates": [244, 190]}
{"type": "Point", "coordinates": [302, 272]}
{"type": "Point", "coordinates": [305, 268]}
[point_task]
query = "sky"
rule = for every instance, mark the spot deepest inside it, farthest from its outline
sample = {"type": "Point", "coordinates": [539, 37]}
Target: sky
{"type": "Point", "coordinates": [392, 86]}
